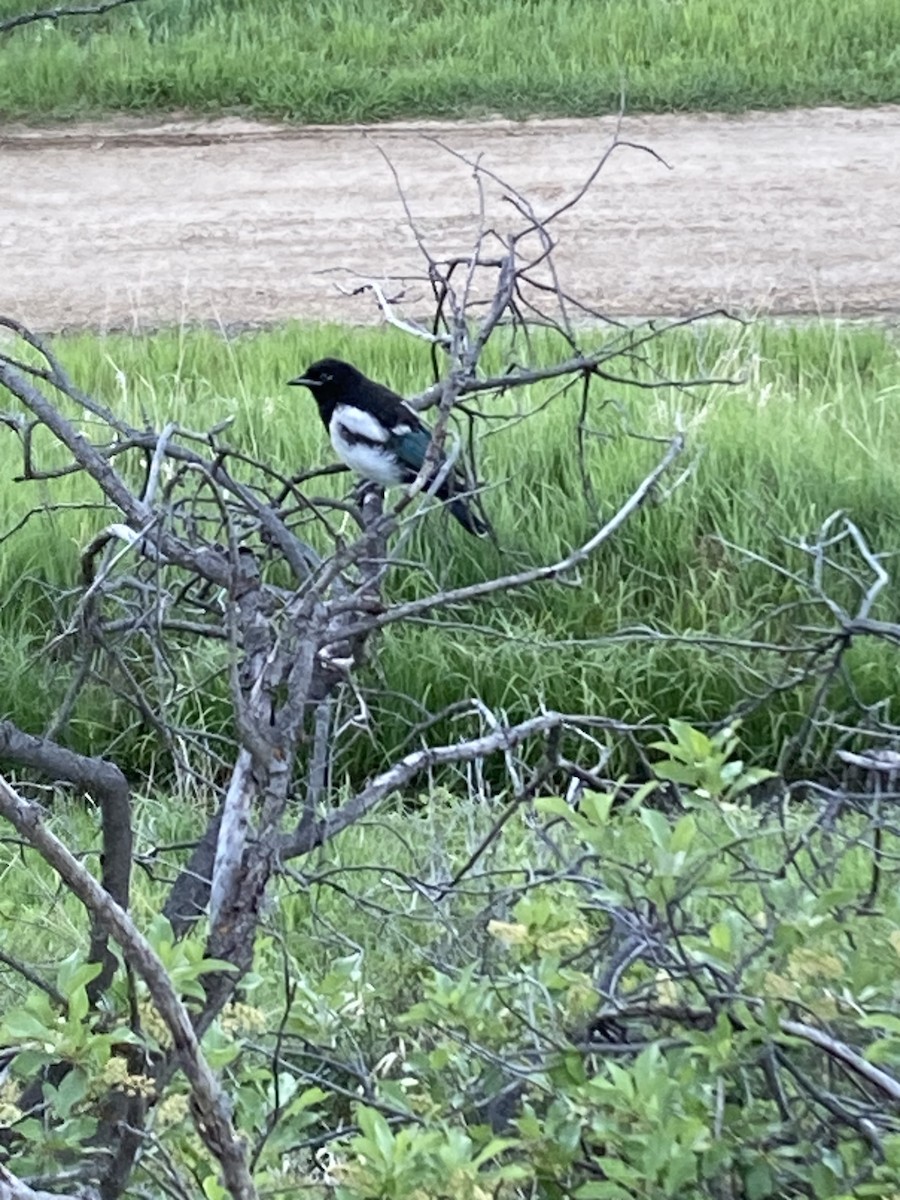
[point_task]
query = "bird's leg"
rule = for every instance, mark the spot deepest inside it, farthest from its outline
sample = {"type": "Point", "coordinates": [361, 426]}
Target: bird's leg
{"type": "Point", "coordinates": [364, 488]}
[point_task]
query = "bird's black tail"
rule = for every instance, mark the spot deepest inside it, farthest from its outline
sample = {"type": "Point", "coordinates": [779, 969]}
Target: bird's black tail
{"type": "Point", "coordinates": [469, 521]}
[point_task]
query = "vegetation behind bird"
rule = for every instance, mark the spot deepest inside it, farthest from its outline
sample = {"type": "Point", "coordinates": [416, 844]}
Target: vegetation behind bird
{"type": "Point", "coordinates": [813, 431]}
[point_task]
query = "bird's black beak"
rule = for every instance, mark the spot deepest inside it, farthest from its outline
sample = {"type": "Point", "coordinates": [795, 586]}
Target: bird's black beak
{"type": "Point", "coordinates": [302, 381]}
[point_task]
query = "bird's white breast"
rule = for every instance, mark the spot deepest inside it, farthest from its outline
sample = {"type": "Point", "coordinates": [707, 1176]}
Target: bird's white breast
{"type": "Point", "coordinates": [367, 458]}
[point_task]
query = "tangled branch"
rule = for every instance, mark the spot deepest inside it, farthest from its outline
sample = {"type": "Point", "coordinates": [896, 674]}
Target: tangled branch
{"type": "Point", "coordinates": [208, 555]}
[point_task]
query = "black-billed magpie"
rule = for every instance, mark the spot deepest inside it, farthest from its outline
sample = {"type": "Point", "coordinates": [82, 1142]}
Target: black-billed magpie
{"type": "Point", "coordinates": [376, 435]}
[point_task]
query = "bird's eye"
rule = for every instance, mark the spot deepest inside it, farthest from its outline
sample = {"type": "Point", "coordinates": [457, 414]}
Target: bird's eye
{"type": "Point", "coordinates": [327, 377]}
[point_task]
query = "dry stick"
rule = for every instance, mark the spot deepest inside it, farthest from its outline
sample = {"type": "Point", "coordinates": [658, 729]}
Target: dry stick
{"type": "Point", "coordinates": [208, 563]}
{"type": "Point", "coordinates": [476, 591]}
{"type": "Point", "coordinates": [311, 832]}
{"type": "Point", "coordinates": [55, 14]}
{"type": "Point", "coordinates": [211, 1108]}
{"type": "Point", "coordinates": [96, 462]}
{"type": "Point", "coordinates": [885, 1083]}
{"type": "Point", "coordinates": [13, 1188]}
{"type": "Point", "coordinates": [32, 977]}
{"type": "Point", "coordinates": [57, 377]}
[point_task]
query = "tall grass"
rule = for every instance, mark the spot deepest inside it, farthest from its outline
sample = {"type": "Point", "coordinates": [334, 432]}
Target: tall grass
{"type": "Point", "coordinates": [814, 429]}
{"type": "Point", "coordinates": [370, 60]}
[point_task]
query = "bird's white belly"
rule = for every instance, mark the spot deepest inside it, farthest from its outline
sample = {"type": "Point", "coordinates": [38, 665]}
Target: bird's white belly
{"type": "Point", "coordinates": [372, 462]}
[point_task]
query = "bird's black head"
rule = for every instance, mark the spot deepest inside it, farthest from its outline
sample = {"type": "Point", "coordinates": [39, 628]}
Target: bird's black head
{"type": "Point", "coordinates": [329, 380]}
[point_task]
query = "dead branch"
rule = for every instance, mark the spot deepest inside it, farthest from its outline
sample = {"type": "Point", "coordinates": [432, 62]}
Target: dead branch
{"type": "Point", "coordinates": [12, 1188]}
{"type": "Point", "coordinates": [212, 1109]}
{"type": "Point", "coordinates": [840, 1050]}
{"type": "Point", "coordinates": [32, 977]}
{"type": "Point", "coordinates": [316, 832]}
{"type": "Point", "coordinates": [105, 782]}
{"type": "Point", "coordinates": [477, 591]}
{"type": "Point", "coordinates": [57, 14]}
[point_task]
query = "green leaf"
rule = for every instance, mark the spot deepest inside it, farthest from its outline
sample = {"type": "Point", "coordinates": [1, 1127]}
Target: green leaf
{"type": "Point", "coordinates": [603, 1189]}
{"type": "Point", "coordinates": [758, 1182]}
{"type": "Point", "coordinates": [720, 937]}
{"type": "Point", "coordinates": [377, 1130]}
{"type": "Point", "coordinates": [684, 833]}
{"type": "Point", "coordinates": [671, 749]}
{"type": "Point", "coordinates": [573, 1066]}
{"type": "Point", "coordinates": [214, 964]}
{"type": "Point", "coordinates": [313, 1095]}
{"type": "Point", "coordinates": [74, 974]}
{"type": "Point", "coordinates": [646, 1071]}
{"type": "Point", "coordinates": [681, 1171]}
{"type": "Point", "coordinates": [494, 1148]}
{"type": "Point", "coordinates": [27, 1063]}
{"type": "Point", "coordinates": [636, 803]}
{"type": "Point", "coordinates": [886, 1021]}
{"type": "Point", "coordinates": [754, 775]}
{"type": "Point", "coordinates": [161, 937]}
{"type": "Point", "coordinates": [221, 1055]}
{"type": "Point", "coordinates": [22, 1026]}
{"type": "Point", "coordinates": [213, 1190]}
{"type": "Point", "coordinates": [823, 1181]}
{"type": "Point", "coordinates": [72, 1088]}
{"type": "Point", "coordinates": [553, 806]}
{"type": "Point", "coordinates": [615, 1168]}
{"type": "Point", "coordinates": [78, 1004]}
{"type": "Point", "coordinates": [691, 740]}
{"type": "Point", "coordinates": [827, 902]}
{"type": "Point", "coordinates": [883, 1050]}
{"type": "Point", "coordinates": [674, 772]}
{"type": "Point", "coordinates": [658, 825]}
{"type": "Point", "coordinates": [596, 807]}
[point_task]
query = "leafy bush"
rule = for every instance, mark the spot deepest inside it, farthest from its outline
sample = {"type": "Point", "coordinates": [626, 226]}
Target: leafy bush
{"type": "Point", "coordinates": [600, 999]}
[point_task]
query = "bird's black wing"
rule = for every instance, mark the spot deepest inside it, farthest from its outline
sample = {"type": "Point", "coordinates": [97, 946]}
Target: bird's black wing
{"type": "Point", "coordinates": [389, 408]}
{"type": "Point", "coordinates": [408, 437]}
{"type": "Point", "coordinates": [409, 440]}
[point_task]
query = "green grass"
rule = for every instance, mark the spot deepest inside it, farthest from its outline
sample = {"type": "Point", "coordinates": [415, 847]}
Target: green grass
{"type": "Point", "coordinates": [813, 430]}
{"type": "Point", "coordinates": [371, 60]}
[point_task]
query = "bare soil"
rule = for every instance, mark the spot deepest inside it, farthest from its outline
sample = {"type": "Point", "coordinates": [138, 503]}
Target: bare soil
{"type": "Point", "coordinates": [135, 223]}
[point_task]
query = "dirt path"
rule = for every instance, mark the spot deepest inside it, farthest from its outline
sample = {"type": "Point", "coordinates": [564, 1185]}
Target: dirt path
{"type": "Point", "coordinates": [133, 223]}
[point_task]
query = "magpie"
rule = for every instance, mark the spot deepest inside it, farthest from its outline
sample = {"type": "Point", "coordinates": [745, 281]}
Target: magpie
{"type": "Point", "coordinates": [376, 435]}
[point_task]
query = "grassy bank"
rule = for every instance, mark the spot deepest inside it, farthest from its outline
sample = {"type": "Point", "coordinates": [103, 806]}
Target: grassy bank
{"type": "Point", "coordinates": [813, 430]}
{"type": "Point", "coordinates": [368, 60]}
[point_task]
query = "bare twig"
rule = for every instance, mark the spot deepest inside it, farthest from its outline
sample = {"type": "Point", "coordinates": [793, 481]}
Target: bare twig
{"type": "Point", "coordinates": [12, 1188]}
{"type": "Point", "coordinates": [33, 978]}
{"type": "Point", "coordinates": [506, 583]}
{"type": "Point", "coordinates": [314, 832]}
{"type": "Point", "coordinates": [63, 10]}
{"type": "Point", "coordinates": [845, 1054]}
